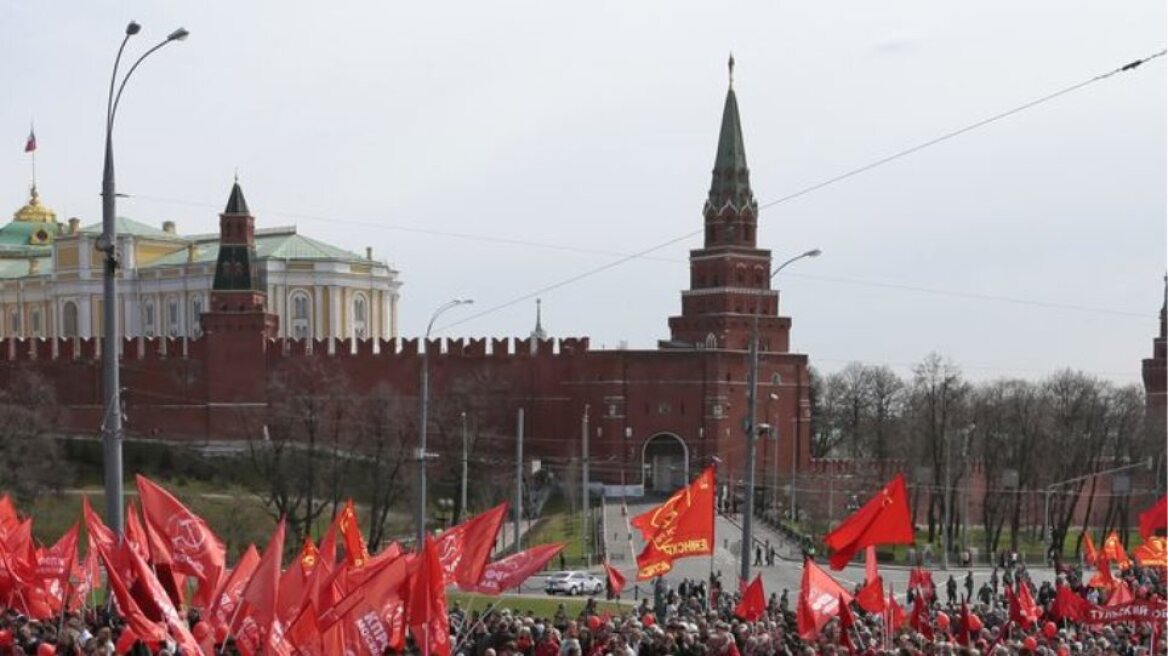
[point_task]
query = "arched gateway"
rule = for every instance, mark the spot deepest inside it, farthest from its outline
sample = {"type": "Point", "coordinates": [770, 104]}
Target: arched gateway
{"type": "Point", "coordinates": [665, 463]}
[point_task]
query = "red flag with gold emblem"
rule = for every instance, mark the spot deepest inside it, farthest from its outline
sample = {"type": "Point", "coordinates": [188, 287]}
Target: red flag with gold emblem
{"type": "Point", "coordinates": [356, 553]}
{"type": "Point", "coordinates": [1113, 550]}
{"type": "Point", "coordinates": [683, 526]}
{"type": "Point", "coordinates": [885, 519]}
{"type": "Point", "coordinates": [1153, 552]}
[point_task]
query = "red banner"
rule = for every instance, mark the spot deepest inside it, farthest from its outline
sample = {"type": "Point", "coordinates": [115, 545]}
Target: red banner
{"type": "Point", "coordinates": [682, 526]}
{"type": "Point", "coordinates": [1136, 611]}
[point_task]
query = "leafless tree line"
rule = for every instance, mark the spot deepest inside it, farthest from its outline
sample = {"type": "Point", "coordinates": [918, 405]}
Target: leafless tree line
{"type": "Point", "coordinates": [1025, 435]}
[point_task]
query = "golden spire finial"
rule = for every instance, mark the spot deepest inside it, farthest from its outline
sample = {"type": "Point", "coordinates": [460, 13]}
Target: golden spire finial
{"type": "Point", "coordinates": [731, 66]}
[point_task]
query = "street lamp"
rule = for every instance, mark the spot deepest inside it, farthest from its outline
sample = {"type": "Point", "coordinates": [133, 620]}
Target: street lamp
{"type": "Point", "coordinates": [111, 426]}
{"type": "Point", "coordinates": [751, 427]}
{"type": "Point", "coordinates": [423, 417]}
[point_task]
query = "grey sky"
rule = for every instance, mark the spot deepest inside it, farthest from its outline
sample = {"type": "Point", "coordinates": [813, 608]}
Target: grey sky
{"type": "Point", "coordinates": [594, 126]}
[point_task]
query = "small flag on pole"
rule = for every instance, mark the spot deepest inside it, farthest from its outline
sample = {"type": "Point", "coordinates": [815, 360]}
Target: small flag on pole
{"type": "Point", "coordinates": [30, 145]}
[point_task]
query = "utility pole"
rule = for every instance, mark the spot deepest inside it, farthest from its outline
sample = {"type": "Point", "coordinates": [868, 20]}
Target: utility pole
{"type": "Point", "coordinates": [945, 499]}
{"type": "Point", "coordinates": [751, 421]}
{"type": "Point", "coordinates": [518, 476]}
{"type": "Point", "coordinates": [585, 533]}
{"type": "Point", "coordinates": [462, 498]}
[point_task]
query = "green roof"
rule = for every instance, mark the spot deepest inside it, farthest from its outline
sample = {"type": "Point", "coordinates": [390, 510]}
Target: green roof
{"type": "Point", "coordinates": [731, 181]}
{"type": "Point", "coordinates": [127, 226]}
{"type": "Point", "coordinates": [18, 233]}
{"type": "Point", "coordinates": [276, 246]}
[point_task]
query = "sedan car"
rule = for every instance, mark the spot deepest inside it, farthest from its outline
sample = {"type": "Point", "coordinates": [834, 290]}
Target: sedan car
{"type": "Point", "coordinates": [573, 583]}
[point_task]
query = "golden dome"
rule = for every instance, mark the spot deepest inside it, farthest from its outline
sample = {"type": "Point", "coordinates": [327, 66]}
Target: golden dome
{"type": "Point", "coordinates": [34, 210]}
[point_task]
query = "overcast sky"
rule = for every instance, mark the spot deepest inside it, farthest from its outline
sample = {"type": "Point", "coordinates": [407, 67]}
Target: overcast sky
{"type": "Point", "coordinates": [565, 133]}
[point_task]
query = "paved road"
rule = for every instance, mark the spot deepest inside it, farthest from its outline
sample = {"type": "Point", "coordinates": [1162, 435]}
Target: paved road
{"type": "Point", "coordinates": [784, 574]}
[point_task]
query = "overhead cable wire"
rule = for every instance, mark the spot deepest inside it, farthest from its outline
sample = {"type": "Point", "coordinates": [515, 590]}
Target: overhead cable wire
{"type": "Point", "coordinates": [813, 188]}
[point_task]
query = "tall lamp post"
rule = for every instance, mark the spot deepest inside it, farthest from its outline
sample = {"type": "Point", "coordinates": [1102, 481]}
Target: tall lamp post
{"type": "Point", "coordinates": [423, 418]}
{"type": "Point", "coordinates": [111, 426]}
{"type": "Point", "coordinates": [751, 427]}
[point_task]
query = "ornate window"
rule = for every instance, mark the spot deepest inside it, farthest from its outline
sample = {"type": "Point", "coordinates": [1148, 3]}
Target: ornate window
{"type": "Point", "coordinates": [196, 316]}
{"type": "Point", "coordinates": [35, 323]}
{"type": "Point", "coordinates": [359, 317]}
{"type": "Point", "coordinates": [148, 318]}
{"type": "Point", "coordinates": [69, 319]}
{"type": "Point", "coordinates": [14, 322]}
{"type": "Point", "coordinates": [301, 315]}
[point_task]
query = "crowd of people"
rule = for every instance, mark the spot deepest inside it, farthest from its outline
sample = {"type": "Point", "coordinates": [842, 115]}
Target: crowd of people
{"type": "Point", "coordinates": [696, 619]}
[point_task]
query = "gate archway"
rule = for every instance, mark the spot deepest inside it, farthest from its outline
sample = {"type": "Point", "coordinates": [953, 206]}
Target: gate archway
{"type": "Point", "coordinates": [664, 463]}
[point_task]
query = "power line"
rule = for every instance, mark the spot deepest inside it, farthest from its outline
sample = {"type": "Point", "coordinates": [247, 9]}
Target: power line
{"type": "Point", "coordinates": [622, 258]}
{"type": "Point", "coordinates": [815, 187]}
{"type": "Point", "coordinates": [668, 260]}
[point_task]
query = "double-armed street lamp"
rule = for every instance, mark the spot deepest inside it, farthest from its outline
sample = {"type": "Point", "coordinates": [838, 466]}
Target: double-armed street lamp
{"type": "Point", "coordinates": [423, 418]}
{"type": "Point", "coordinates": [111, 427]}
{"type": "Point", "coordinates": [751, 427]}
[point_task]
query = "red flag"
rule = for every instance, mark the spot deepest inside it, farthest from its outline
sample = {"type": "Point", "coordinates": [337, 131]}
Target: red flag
{"type": "Point", "coordinates": [1103, 577]}
{"type": "Point", "coordinates": [426, 613]}
{"type": "Point", "coordinates": [513, 570]}
{"type": "Point", "coordinates": [871, 596]}
{"type": "Point", "coordinates": [1090, 553]}
{"type": "Point", "coordinates": [135, 534]}
{"type": "Point", "coordinates": [1120, 594]}
{"type": "Point", "coordinates": [847, 621]}
{"type": "Point", "coordinates": [374, 613]}
{"type": "Point", "coordinates": [616, 580]}
{"type": "Point", "coordinates": [753, 604]}
{"type": "Point", "coordinates": [87, 577]}
{"type": "Point", "coordinates": [1113, 551]}
{"type": "Point", "coordinates": [356, 553]}
{"type": "Point", "coordinates": [1023, 610]}
{"type": "Point", "coordinates": [819, 597]}
{"type": "Point", "coordinates": [921, 580]}
{"type": "Point", "coordinates": [193, 548]}
{"type": "Point", "coordinates": [1154, 519]}
{"type": "Point", "coordinates": [153, 593]}
{"type": "Point", "coordinates": [920, 620]}
{"type": "Point", "coordinates": [294, 583]}
{"type": "Point", "coordinates": [263, 589]}
{"type": "Point", "coordinates": [683, 526]}
{"type": "Point", "coordinates": [963, 626]}
{"type": "Point", "coordinates": [1069, 606]}
{"type": "Point", "coordinates": [895, 612]}
{"type": "Point", "coordinates": [30, 144]}
{"type": "Point", "coordinates": [227, 599]}
{"type": "Point", "coordinates": [142, 626]}
{"type": "Point", "coordinates": [1153, 552]}
{"type": "Point", "coordinates": [99, 534]}
{"type": "Point", "coordinates": [9, 521]}
{"type": "Point", "coordinates": [57, 562]}
{"type": "Point", "coordinates": [465, 549]}
{"type": "Point", "coordinates": [885, 519]}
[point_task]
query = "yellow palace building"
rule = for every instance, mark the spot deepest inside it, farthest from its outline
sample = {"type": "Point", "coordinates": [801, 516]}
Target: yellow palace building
{"type": "Point", "coordinates": [51, 280]}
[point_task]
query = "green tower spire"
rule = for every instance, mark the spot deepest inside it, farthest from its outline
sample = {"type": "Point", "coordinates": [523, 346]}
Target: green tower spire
{"type": "Point", "coordinates": [731, 181]}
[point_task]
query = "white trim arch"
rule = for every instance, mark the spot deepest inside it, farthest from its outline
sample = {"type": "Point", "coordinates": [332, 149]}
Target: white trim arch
{"type": "Point", "coordinates": [660, 465]}
{"type": "Point", "coordinates": [300, 310]}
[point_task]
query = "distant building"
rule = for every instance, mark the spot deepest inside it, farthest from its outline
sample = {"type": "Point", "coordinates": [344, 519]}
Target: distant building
{"type": "Point", "coordinates": [1155, 368]}
{"type": "Point", "coordinates": [51, 281]}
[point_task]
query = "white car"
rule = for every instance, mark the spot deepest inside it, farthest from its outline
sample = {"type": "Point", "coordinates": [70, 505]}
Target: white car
{"type": "Point", "coordinates": [573, 583]}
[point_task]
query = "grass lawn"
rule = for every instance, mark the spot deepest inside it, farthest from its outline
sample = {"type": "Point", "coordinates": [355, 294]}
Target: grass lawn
{"type": "Point", "coordinates": [539, 606]}
{"type": "Point", "coordinates": [558, 527]}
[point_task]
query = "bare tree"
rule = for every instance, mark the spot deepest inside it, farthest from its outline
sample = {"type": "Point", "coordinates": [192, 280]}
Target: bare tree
{"type": "Point", "coordinates": [302, 452]}
{"type": "Point", "coordinates": [384, 434]}
{"type": "Point", "coordinates": [30, 460]}
{"type": "Point", "coordinates": [935, 404]}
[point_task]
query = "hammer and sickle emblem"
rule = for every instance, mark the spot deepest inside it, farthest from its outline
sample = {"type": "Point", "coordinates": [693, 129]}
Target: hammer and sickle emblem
{"type": "Point", "coordinates": [186, 534]}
